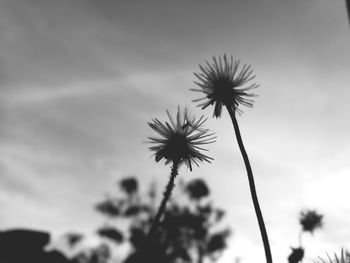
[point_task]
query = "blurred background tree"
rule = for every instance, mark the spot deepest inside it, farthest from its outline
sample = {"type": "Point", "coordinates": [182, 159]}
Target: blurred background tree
{"type": "Point", "coordinates": [189, 230]}
{"type": "Point", "coordinates": [309, 221]}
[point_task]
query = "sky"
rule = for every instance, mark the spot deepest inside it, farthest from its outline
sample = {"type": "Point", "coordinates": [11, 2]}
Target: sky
{"type": "Point", "coordinates": [80, 79]}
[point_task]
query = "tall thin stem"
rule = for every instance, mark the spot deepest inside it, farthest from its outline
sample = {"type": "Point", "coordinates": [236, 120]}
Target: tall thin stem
{"type": "Point", "coordinates": [252, 186]}
{"type": "Point", "coordinates": [166, 196]}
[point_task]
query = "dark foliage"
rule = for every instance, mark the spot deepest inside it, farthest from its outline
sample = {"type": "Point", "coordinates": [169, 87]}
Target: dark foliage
{"type": "Point", "coordinates": [296, 255]}
{"type": "Point", "coordinates": [73, 238]}
{"type": "Point", "coordinates": [309, 221]}
{"type": "Point", "coordinates": [197, 189]}
{"type": "Point", "coordinates": [217, 241]}
{"type": "Point", "coordinates": [24, 239]}
{"type": "Point", "coordinates": [132, 210]}
{"type": "Point", "coordinates": [185, 233]}
{"type": "Point", "coordinates": [129, 185]}
{"type": "Point", "coordinates": [100, 254]}
{"type": "Point", "coordinates": [111, 233]}
{"type": "Point", "coordinates": [23, 245]}
{"type": "Point", "coordinates": [108, 208]}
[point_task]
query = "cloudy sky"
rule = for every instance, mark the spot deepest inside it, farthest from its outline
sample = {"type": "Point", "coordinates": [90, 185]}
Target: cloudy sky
{"type": "Point", "coordinates": [79, 79]}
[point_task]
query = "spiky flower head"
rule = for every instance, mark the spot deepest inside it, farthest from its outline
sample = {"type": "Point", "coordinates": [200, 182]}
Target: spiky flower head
{"type": "Point", "coordinates": [225, 83]}
{"type": "Point", "coordinates": [310, 220]}
{"type": "Point", "coordinates": [343, 257]}
{"type": "Point", "coordinates": [181, 139]}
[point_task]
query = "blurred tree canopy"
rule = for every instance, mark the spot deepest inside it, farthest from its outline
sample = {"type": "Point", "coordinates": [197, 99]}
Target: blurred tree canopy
{"type": "Point", "coordinates": [189, 231]}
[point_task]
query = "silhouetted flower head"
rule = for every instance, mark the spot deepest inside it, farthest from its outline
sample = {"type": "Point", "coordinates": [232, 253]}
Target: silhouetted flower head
{"type": "Point", "coordinates": [181, 140]}
{"type": "Point", "coordinates": [129, 185]}
{"type": "Point", "coordinates": [224, 84]}
{"type": "Point", "coordinates": [197, 189]}
{"type": "Point", "coordinates": [343, 257]}
{"type": "Point", "coordinates": [310, 220]}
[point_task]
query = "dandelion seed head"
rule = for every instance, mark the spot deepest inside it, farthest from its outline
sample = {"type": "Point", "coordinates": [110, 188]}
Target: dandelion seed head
{"type": "Point", "coordinates": [225, 83]}
{"type": "Point", "coordinates": [181, 140]}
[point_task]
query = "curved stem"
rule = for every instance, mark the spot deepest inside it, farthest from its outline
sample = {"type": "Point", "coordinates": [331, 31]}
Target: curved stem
{"type": "Point", "coordinates": [252, 186]}
{"type": "Point", "coordinates": [166, 196]}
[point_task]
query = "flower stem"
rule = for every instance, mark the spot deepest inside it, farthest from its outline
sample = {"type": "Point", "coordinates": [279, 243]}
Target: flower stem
{"type": "Point", "coordinates": [166, 196]}
{"type": "Point", "coordinates": [301, 241]}
{"type": "Point", "coordinates": [252, 186]}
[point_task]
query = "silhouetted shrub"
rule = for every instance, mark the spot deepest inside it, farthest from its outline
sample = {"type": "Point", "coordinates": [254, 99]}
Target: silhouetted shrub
{"type": "Point", "coordinates": [24, 245]}
{"type": "Point", "coordinates": [185, 232]}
